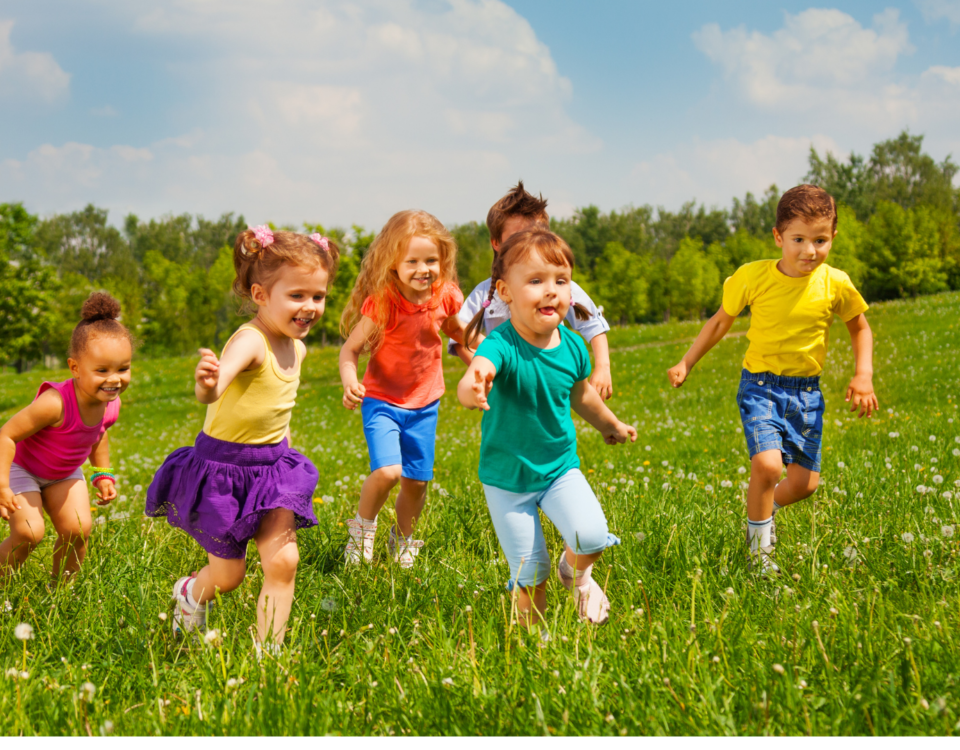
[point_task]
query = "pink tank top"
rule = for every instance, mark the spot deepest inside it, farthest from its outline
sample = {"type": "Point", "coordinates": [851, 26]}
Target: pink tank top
{"type": "Point", "coordinates": [56, 452]}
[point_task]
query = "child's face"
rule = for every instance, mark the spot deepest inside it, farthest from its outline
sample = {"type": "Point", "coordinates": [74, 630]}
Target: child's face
{"type": "Point", "coordinates": [295, 302]}
{"type": "Point", "coordinates": [806, 244]}
{"type": "Point", "coordinates": [513, 225]}
{"type": "Point", "coordinates": [538, 294]}
{"type": "Point", "coordinates": [419, 267]}
{"type": "Point", "coordinates": [103, 370]}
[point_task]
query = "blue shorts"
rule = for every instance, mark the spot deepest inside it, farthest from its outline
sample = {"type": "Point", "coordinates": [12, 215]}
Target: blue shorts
{"type": "Point", "coordinates": [568, 502]}
{"type": "Point", "coordinates": [398, 436]}
{"type": "Point", "coordinates": [782, 413]}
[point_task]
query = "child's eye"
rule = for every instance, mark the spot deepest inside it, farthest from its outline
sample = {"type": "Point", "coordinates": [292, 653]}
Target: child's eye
{"type": "Point", "coordinates": [319, 297]}
{"type": "Point", "coordinates": [296, 296]}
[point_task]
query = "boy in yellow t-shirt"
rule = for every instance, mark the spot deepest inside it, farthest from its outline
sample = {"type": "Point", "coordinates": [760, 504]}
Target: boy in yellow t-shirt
{"type": "Point", "coordinates": [792, 303]}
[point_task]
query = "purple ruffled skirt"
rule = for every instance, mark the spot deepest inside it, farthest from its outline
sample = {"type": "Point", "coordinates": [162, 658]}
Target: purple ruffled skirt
{"type": "Point", "coordinates": [218, 492]}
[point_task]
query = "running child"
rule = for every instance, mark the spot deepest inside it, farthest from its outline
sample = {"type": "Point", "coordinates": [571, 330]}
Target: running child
{"type": "Point", "coordinates": [241, 480]}
{"type": "Point", "coordinates": [792, 304]}
{"type": "Point", "coordinates": [43, 446]}
{"type": "Point", "coordinates": [516, 211]}
{"type": "Point", "coordinates": [405, 294]}
{"type": "Point", "coordinates": [526, 376]}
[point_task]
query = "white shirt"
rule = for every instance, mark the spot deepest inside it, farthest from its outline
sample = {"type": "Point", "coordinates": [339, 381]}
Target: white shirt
{"type": "Point", "coordinates": [499, 313]}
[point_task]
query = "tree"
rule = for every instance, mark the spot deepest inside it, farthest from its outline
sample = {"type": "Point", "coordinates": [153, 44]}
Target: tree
{"type": "Point", "coordinates": [694, 280]}
{"type": "Point", "coordinates": [620, 284]}
{"type": "Point", "coordinates": [847, 247]}
{"type": "Point", "coordinates": [753, 217]}
{"type": "Point", "coordinates": [28, 305]}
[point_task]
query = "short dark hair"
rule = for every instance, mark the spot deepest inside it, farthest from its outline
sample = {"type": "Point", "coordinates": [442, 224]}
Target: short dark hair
{"type": "Point", "coordinates": [807, 201]}
{"type": "Point", "coordinates": [517, 202]}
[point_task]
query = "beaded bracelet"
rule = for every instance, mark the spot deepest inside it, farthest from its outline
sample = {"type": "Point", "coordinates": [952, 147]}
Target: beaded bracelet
{"type": "Point", "coordinates": [102, 473]}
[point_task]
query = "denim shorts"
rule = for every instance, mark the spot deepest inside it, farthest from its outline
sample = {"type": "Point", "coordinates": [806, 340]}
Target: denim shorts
{"type": "Point", "coordinates": [783, 413]}
{"type": "Point", "coordinates": [398, 436]}
{"type": "Point", "coordinates": [568, 502]}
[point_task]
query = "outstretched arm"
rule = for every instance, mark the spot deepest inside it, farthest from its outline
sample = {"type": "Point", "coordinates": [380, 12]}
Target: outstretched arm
{"type": "Point", "coordinates": [45, 411]}
{"type": "Point", "coordinates": [214, 375]}
{"type": "Point", "coordinates": [587, 403]}
{"type": "Point", "coordinates": [712, 332]}
{"type": "Point", "coordinates": [860, 389]}
{"type": "Point", "coordinates": [353, 390]}
{"type": "Point", "coordinates": [475, 385]}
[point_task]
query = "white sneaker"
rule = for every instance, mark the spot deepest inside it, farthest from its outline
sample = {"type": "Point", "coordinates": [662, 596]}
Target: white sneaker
{"type": "Point", "coordinates": [773, 529]}
{"type": "Point", "coordinates": [403, 551]}
{"type": "Point", "coordinates": [360, 546]}
{"type": "Point", "coordinates": [185, 617]}
{"type": "Point", "coordinates": [762, 561]}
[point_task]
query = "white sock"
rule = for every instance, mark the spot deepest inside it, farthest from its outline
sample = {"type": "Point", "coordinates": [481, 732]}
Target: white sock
{"type": "Point", "coordinates": [367, 525]}
{"type": "Point", "coordinates": [566, 569]}
{"type": "Point", "coordinates": [395, 533]}
{"type": "Point", "coordinates": [776, 507]}
{"type": "Point", "coordinates": [191, 600]}
{"type": "Point", "coordinates": [759, 533]}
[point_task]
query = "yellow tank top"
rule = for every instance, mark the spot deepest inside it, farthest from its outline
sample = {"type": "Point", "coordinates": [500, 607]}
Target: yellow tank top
{"type": "Point", "coordinates": [255, 409]}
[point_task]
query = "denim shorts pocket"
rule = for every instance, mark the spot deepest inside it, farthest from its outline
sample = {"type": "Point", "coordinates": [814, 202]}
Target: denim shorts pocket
{"type": "Point", "coordinates": [813, 405]}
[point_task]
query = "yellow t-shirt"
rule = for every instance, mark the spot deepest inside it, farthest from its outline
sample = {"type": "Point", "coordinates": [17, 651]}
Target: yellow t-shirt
{"type": "Point", "coordinates": [790, 317]}
{"type": "Point", "coordinates": [255, 409]}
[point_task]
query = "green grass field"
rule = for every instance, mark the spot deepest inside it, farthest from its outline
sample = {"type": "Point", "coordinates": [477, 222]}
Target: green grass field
{"type": "Point", "coordinates": [859, 636]}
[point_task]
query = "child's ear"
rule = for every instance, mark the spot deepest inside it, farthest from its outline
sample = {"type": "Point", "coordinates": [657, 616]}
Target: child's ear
{"type": "Point", "coordinates": [258, 294]}
{"type": "Point", "coordinates": [777, 238]}
{"type": "Point", "coordinates": [74, 367]}
{"type": "Point", "coordinates": [502, 291]}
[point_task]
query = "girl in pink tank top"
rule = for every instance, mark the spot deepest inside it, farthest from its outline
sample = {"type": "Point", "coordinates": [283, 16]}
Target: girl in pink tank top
{"type": "Point", "coordinates": [43, 446]}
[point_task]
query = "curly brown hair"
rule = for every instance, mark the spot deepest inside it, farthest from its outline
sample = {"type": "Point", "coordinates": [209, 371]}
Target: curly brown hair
{"type": "Point", "coordinates": [98, 319]}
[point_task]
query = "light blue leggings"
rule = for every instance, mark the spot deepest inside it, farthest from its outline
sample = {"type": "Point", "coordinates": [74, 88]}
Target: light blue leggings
{"type": "Point", "coordinates": [568, 502]}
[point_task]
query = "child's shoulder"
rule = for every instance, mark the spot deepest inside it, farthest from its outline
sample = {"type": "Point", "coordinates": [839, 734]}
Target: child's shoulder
{"type": "Point", "coordinates": [755, 268]}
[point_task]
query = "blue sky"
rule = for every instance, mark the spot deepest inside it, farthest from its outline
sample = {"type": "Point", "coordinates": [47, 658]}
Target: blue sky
{"type": "Point", "coordinates": [344, 111]}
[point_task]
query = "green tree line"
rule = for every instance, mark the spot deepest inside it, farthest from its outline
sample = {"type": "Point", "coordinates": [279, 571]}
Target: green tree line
{"type": "Point", "coordinates": [899, 236]}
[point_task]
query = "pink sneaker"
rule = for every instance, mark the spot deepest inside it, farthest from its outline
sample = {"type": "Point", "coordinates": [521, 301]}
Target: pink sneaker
{"type": "Point", "coordinates": [360, 547]}
{"type": "Point", "coordinates": [592, 603]}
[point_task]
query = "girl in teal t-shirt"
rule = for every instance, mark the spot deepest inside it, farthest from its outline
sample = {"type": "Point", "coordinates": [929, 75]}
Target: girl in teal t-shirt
{"type": "Point", "coordinates": [526, 376]}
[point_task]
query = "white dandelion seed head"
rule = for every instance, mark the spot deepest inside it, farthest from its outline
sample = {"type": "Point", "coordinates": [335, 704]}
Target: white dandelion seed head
{"type": "Point", "coordinates": [946, 531]}
{"type": "Point", "coordinates": [956, 451]}
{"type": "Point", "coordinates": [609, 465]}
{"type": "Point", "coordinates": [938, 479]}
{"type": "Point", "coordinates": [914, 448]}
{"type": "Point", "coordinates": [664, 463]}
{"type": "Point", "coordinates": [778, 668]}
{"type": "Point", "coordinates": [138, 488]}
{"type": "Point", "coordinates": [921, 489]}
{"type": "Point", "coordinates": [665, 486]}
{"type": "Point", "coordinates": [648, 448]}
{"type": "Point", "coordinates": [947, 495]}
{"type": "Point", "coordinates": [850, 553]}
{"type": "Point", "coordinates": [708, 489]}
{"type": "Point", "coordinates": [328, 605]}
{"type": "Point", "coordinates": [162, 616]}
{"type": "Point", "coordinates": [741, 470]}
{"type": "Point", "coordinates": [447, 681]}
{"type": "Point", "coordinates": [23, 632]}
{"type": "Point", "coordinates": [841, 465]}
{"type": "Point", "coordinates": [893, 435]}
{"type": "Point", "coordinates": [212, 637]}
{"type": "Point", "coordinates": [726, 484]}
{"type": "Point", "coordinates": [907, 537]}
{"type": "Point", "coordinates": [87, 691]}
{"type": "Point", "coordinates": [929, 510]}
{"type": "Point", "coordinates": [744, 485]}
{"type": "Point", "coordinates": [232, 682]}
{"type": "Point", "coordinates": [932, 438]}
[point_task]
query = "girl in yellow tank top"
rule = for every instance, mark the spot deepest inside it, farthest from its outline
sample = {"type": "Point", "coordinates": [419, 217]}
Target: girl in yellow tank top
{"type": "Point", "coordinates": [242, 480]}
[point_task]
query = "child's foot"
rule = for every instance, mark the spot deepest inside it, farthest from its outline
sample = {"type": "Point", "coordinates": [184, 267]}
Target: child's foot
{"type": "Point", "coordinates": [403, 549]}
{"type": "Point", "coordinates": [267, 649]}
{"type": "Point", "coordinates": [186, 616]}
{"type": "Point", "coordinates": [360, 546]}
{"type": "Point", "coordinates": [592, 603]}
{"type": "Point", "coordinates": [773, 529]}
{"type": "Point", "coordinates": [762, 561]}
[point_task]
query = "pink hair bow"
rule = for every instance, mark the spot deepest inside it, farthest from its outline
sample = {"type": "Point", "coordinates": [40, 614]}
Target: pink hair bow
{"type": "Point", "coordinates": [264, 235]}
{"type": "Point", "coordinates": [321, 240]}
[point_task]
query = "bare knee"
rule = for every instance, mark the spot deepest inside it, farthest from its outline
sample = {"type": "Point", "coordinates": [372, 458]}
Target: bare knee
{"type": "Point", "coordinates": [27, 534]}
{"type": "Point", "coordinates": [75, 530]}
{"type": "Point", "coordinates": [767, 473]}
{"type": "Point", "coordinates": [805, 488]}
{"type": "Point", "coordinates": [388, 475]}
{"type": "Point", "coordinates": [282, 565]}
{"type": "Point", "coordinates": [415, 487]}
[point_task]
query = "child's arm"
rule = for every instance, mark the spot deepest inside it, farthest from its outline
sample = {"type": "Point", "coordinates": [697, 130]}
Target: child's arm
{"type": "Point", "coordinates": [587, 403]}
{"type": "Point", "coordinates": [456, 330]}
{"type": "Point", "coordinates": [711, 333]}
{"type": "Point", "coordinates": [353, 390]}
{"type": "Point", "coordinates": [45, 411]}
{"type": "Point", "coordinates": [601, 378]}
{"type": "Point", "coordinates": [861, 384]}
{"type": "Point", "coordinates": [475, 385]}
{"type": "Point", "coordinates": [214, 375]}
{"type": "Point", "coordinates": [100, 457]}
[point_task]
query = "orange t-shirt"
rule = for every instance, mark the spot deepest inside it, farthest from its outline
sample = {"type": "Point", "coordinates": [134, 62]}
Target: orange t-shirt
{"type": "Point", "coordinates": [407, 370]}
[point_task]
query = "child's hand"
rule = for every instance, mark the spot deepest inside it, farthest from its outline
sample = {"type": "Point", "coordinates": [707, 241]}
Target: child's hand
{"type": "Point", "coordinates": [620, 433]}
{"type": "Point", "coordinates": [678, 373]}
{"type": "Point", "coordinates": [8, 503]}
{"type": "Point", "coordinates": [602, 382]}
{"type": "Point", "coordinates": [353, 395]}
{"type": "Point", "coordinates": [860, 391]}
{"type": "Point", "coordinates": [106, 491]}
{"type": "Point", "coordinates": [208, 370]}
{"type": "Point", "coordinates": [481, 389]}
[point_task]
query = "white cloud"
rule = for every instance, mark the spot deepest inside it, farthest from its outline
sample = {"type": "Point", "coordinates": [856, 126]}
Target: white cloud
{"type": "Point", "coordinates": [948, 75]}
{"type": "Point", "coordinates": [26, 76]}
{"type": "Point", "coordinates": [935, 10]}
{"type": "Point", "coordinates": [346, 112]}
{"type": "Point", "coordinates": [714, 171]}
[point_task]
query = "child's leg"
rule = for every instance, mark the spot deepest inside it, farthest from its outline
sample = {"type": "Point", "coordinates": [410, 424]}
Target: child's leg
{"type": "Point", "coordinates": [220, 574]}
{"type": "Point", "coordinates": [766, 468]}
{"type": "Point", "coordinates": [410, 502]}
{"type": "Point", "coordinates": [277, 543]}
{"type": "Point", "coordinates": [26, 532]}
{"type": "Point", "coordinates": [376, 489]}
{"type": "Point", "coordinates": [68, 505]}
{"type": "Point", "coordinates": [531, 603]}
{"type": "Point", "coordinates": [799, 485]}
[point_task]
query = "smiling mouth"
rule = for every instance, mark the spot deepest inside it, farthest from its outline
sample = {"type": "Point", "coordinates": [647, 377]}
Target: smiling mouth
{"type": "Point", "coordinates": [547, 310]}
{"type": "Point", "coordinates": [421, 279]}
{"type": "Point", "coordinates": [303, 322]}
{"type": "Point", "coordinates": [110, 388]}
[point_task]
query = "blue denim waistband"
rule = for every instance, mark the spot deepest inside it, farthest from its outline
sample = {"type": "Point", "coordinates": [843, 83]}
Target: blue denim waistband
{"type": "Point", "coordinates": [782, 381]}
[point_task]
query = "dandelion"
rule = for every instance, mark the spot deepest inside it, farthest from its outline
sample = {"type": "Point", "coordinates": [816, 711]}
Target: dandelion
{"type": "Point", "coordinates": [938, 479]}
{"type": "Point", "coordinates": [138, 488]}
{"type": "Point", "coordinates": [328, 605]}
{"type": "Point", "coordinates": [921, 489]}
{"type": "Point", "coordinates": [447, 681]}
{"type": "Point", "coordinates": [609, 465]}
{"type": "Point", "coordinates": [708, 489]}
{"type": "Point", "coordinates": [232, 682]}
{"type": "Point", "coordinates": [744, 486]}
{"type": "Point", "coordinates": [907, 537]}
{"type": "Point", "coordinates": [841, 465]}
{"type": "Point", "coordinates": [7, 607]}
{"type": "Point", "coordinates": [947, 531]}
{"type": "Point", "coordinates": [665, 486]}
{"type": "Point", "coordinates": [106, 728]}
{"type": "Point", "coordinates": [23, 632]}
{"type": "Point", "coordinates": [741, 470]}
{"type": "Point", "coordinates": [640, 536]}
{"type": "Point", "coordinates": [162, 616]}
{"type": "Point", "coordinates": [850, 553]}
{"type": "Point", "coordinates": [956, 451]}
{"type": "Point", "coordinates": [778, 668]}
{"type": "Point", "coordinates": [803, 684]}
{"type": "Point", "coordinates": [12, 673]}
{"type": "Point", "coordinates": [87, 691]}
{"type": "Point", "coordinates": [664, 463]}
{"type": "Point", "coordinates": [933, 438]}
{"type": "Point", "coordinates": [893, 435]}
{"type": "Point", "coordinates": [726, 484]}
{"type": "Point", "coordinates": [730, 591]}
{"type": "Point", "coordinates": [212, 637]}
{"type": "Point", "coordinates": [716, 659]}
{"type": "Point", "coordinates": [929, 510]}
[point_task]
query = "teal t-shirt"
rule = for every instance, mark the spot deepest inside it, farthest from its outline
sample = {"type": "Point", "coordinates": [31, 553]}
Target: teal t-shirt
{"type": "Point", "coordinates": [528, 439]}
